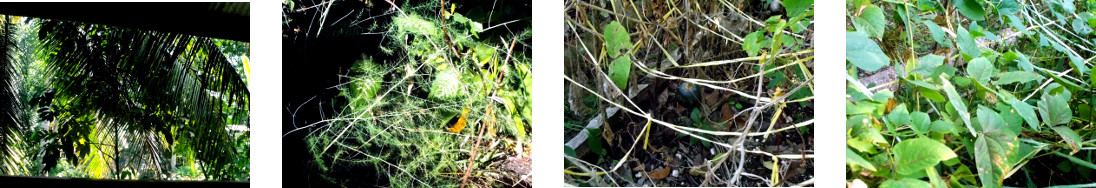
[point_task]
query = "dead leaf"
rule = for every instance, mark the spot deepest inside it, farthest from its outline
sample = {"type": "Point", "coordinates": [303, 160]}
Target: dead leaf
{"type": "Point", "coordinates": [726, 113]}
{"type": "Point", "coordinates": [660, 174]}
{"type": "Point", "coordinates": [657, 149]}
{"type": "Point", "coordinates": [891, 103]}
{"type": "Point", "coordinates": [608, 135]}
{"type": "Point", "coordinates": [710, 99]}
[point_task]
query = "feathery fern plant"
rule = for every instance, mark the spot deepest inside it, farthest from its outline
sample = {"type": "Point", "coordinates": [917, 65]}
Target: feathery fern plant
{"type": "Point", "coordinates": [400, 112]}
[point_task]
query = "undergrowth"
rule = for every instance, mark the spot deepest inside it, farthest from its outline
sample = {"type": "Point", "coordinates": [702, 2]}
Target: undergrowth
{"type": "Point", "coordinates": [968, 93]}
{"type": "Point", "coordinates": [439, 96]}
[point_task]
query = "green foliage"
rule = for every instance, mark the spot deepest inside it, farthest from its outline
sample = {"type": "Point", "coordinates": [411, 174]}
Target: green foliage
{"type": "Point", "coordinates": [123, 103]}
{"type": "Point", "coordinates": [871, 21]}
{"type": "Point", "coordinates": [971, 9]}
{"type": "Point", "coordinates": [796, 7]}
{"type": "Point", "coordinates": [967, 108]}
{"type": "Point", "coordinates": [863, 52]}
{"type": "Point", "coordinates": [918, 154]}
{"type": "Point", "coordinates": [616, 41]}
{"type": "Point", "coordinates": [405, 107]}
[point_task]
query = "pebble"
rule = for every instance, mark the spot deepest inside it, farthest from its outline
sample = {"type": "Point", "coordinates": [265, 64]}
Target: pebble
{"type": "Point", "coordinates": [639, 175]}
{"type": "Point", "coordinates": [675, 173]}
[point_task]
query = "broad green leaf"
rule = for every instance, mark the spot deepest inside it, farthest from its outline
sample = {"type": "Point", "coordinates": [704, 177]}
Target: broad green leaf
{"type": "Point", "coordinates": [971, 9]}
{"type": "Point", "coordinates": [966, 43]}
{"type": "Point", "coordinates": [922, 84]}
{"type": "Point", "coordinates": [957, 103]}
{"type": "Point", "coordinates": [934, 178]}
{"type": "Point", "coordinates": [1026, 111]}
{"type": "Point", "coordinates": [938, 34]}
{"type": "Point", "coordinates": [616, 39]}
{"type": "Point", "coordinates": [919, 121]}
{"type": "Point", "coordinates": [593, 142]}
{"type": "Point", "coordinates": [1017, 76]}
{"type": "Point", "coordinates": [1070, 137]}
{"type": "Point", "coordinates": [931, 94]}
{"type": "Point", "coordinates": [905, 183]}
{"type": "Point", "coordinates": [871, 21]}
{"type": "Point", "coordinates": [1023, 62]}
{"type": "Point", "coordinates": [1054, 109]}
{"type": "Point", "coordinates": [851, 158]}
{"type": "Point", "coordinates": [752, 43]}
{"type": "Point", "coordinates": [864, 52]}
{"type": "Point", "coordinates": [928, 63]}
{"type": "Point", "coordinates": [991, 159]}
{"type": "Point", "coordinates": [927, 5]}
{"type": "Point", "coordinates": [619, 70]}
{"type": "Point", "coordinates": [859, 108]}
{"type": "Point", "coordinates": [899, 115]}
{"type": "Point", "coordinates": [942, 126]}
{"type": "Point", "coordinates": [1008, 7]}
{"type": "Point", "coordinates": [919, 153]}
{"type": "Point", "coordinates": [1081, 27]}
{"type": "Point", "coordinates": [567, 150]}
{"type": "Point", "coordinates": [994, 148]}
{"type": "Point", "coordinates": [981, 70]}
{"type": "Point", "coordinates": [1016, 23]}
{"type": "Point", "coordinates": [796, 7]}
{"type": "Point", "coordinates": [989, 118]}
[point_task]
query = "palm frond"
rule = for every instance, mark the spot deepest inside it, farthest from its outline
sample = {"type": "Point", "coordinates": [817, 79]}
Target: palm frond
{"type": "Point", "coordinates": [152, 88]}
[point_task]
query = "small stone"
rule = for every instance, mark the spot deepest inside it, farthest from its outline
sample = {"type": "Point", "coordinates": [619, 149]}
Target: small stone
{"type": "Point", "coordinates": [675, 173]}
{"type": "Point", "coordinates": [639, 175]}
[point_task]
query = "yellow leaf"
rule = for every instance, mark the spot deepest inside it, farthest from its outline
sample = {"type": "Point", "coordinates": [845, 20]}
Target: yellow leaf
{"type": "Point", "coordinates": [460, 122]}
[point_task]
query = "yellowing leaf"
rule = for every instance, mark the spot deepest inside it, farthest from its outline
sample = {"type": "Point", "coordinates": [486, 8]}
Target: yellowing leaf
{"type": "Point", "coordinates": [460, 122]}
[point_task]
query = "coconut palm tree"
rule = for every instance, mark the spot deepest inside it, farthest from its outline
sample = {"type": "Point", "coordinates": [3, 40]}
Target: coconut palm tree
{"type": "Point", "coordinates": [129, 103]}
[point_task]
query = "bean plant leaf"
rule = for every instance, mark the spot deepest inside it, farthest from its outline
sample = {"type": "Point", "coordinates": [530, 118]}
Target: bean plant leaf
{"type": "Point", "coordinates": [928, 63]}
{"type": "Point", "coordinates": [1017, 76]}
{"type": "Point", "coordinates": [1026, 111]}
{"type": "Point", "coordinates": [1022, 61]}
{"type": "Point", "coordinates": [899, 115]}
{"type": "Point", "coordinates": [957, 103]}
{"type": "Point", "coordinates": [752, 43]}
{"type": "Point", "coordinates": [864, 52]}
{"type": "Point", "coordinates": [1081, 27]}
{"type": "Point", "coordinates": [905, 183]}
{"type": "Point", "coordinates": [593, 141]}
{"type": "Point", "coordinates": [619, 70]}
{"type": "Point", "coordinates": [1007, 7]}
{"type": "Point", "coordinates": [966, 43]}
{"type": "Point", "coordinates": [1054, 109]}
{"type": "Point", "coordinates": [993, 148]}
{"type": "Point", "coordinates": [937, 33]}
{"type": "Point", "coordinates": [796, 7]}
{"type": "Point", "coordinates": [616, 39]}
{"type": "Point", "coordinates": [971, 9]}
{"type": "Point", "coordinates": [853, 159]}
{"type": "Point", "coordinates": [1070, 137]}
{"type": "Point", "coordinates": [988, 117]}
{"type": "Point", "coordinates": [919, 153]}
{"type": "Point", "coordinates": [981, 70]}
{"type": "Point", "coordinates": [919, 121]}
{"type": "Point", "coordinates": [871, 21]}
{"type": "Point", "coordinates": [931, 94]}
